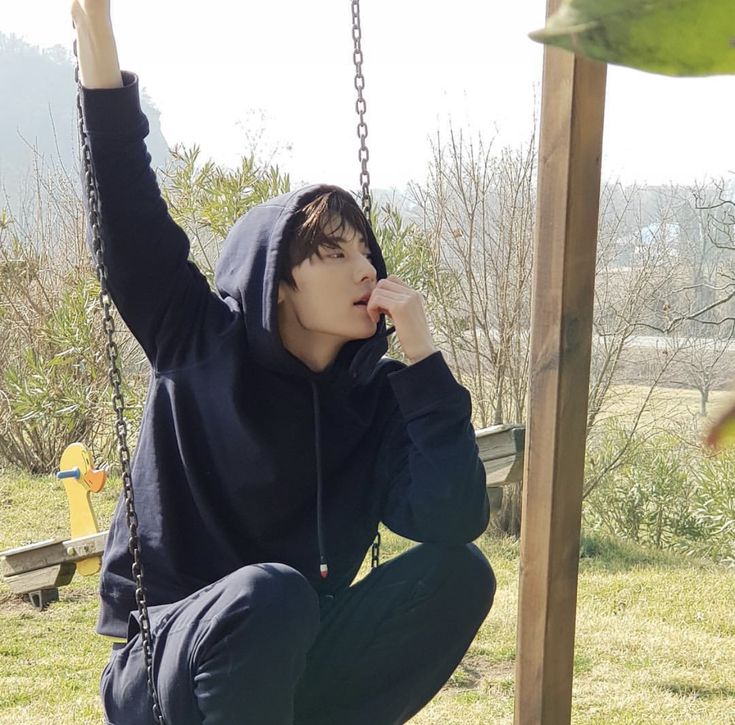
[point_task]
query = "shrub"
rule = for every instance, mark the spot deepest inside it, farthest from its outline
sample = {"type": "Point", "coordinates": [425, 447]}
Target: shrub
{"type": "Point", "coordinates": [206, 199]}
{"type": "Point", "coordinates": [54, 386]}
{"type": "Point", "coordinates": [668, 495]}
{"type": "Point", "coordinates": [56, 390]}
{"type": "Point", "coordinates": [713, 507]}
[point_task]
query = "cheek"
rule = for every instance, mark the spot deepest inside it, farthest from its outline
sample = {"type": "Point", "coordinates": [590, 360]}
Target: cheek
{"type": "Point", "coordinates": [318, 302]}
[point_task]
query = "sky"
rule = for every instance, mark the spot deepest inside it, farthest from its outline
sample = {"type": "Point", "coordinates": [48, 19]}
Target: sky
{"type": "Point", "coordinates": [279, 74]}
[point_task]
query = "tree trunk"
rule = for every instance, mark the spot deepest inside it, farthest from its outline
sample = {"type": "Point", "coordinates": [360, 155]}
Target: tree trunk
{"type": "Point", "coordinates": [505, 519]}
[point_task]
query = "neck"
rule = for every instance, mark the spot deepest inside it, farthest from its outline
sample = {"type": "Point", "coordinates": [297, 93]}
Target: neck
{"type": "Point", "coordinates": [316, 351]}
{"type": "Point", "coordinates": [316, 360]}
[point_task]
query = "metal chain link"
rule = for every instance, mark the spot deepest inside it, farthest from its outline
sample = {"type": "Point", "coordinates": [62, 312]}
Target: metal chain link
{"type": "Point", "coordinates": [363, 156]}
{"type": "Point", "coordinates": [375, 557]}
{"type": "Point", "coordinates": [121, 428]}
{"type": "Point", "coordinates": [360, 106]}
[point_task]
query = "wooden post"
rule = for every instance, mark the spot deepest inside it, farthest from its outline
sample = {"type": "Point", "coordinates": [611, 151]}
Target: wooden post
{"type": "Point", "coordinates": [572, 112]}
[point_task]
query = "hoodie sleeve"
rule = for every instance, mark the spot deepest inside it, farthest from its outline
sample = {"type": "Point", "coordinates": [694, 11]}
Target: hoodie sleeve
{"type": "Point", "coordinates": [162, 296]}
{"type": "Point", "coordinates": [428, 466]}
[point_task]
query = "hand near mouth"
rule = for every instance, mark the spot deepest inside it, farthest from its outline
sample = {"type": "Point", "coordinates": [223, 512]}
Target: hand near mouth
{"type": "Point", "coordinates": [405, 306]}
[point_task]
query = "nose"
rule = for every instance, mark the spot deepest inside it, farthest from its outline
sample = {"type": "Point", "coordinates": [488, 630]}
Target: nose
{"type": "Point", "coordinates": [366, 270]}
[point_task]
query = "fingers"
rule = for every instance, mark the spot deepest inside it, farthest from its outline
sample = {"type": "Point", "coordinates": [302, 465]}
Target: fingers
{"type": "Point", "coordinates": [392, 296]}
{"type": "Point", "coordinates": [392, 280]}
{"type": "Point", "coordinates": [389, 293]}
{"type": "Point", "coordinates": [382, 301]}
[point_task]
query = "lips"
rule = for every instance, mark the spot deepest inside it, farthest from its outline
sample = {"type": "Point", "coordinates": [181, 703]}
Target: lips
{"type": "Point", "coordinates": [363, 300]}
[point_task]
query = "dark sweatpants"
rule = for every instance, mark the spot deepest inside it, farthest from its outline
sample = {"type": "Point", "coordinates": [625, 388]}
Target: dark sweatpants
{"type": "Point", "coordinates": [258, 647]}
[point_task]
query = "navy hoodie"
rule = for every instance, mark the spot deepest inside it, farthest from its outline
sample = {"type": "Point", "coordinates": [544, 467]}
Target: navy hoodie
{"type": "Point", "coordinates": [245, 455]}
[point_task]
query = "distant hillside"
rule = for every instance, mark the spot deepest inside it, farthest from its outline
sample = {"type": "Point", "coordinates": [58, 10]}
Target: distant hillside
{"type": "Point", "coordinates": [39, 112]}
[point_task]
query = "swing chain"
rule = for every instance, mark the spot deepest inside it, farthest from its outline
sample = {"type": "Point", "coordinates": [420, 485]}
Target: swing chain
{"type": "Point", "coordinates": [360, 106]}
{"type": "Point", "coordinates": [115, 378]}
{"type": "Point", "coordinates": [375, 558]}
{"type": "Point", "coordinates": [363, 157]}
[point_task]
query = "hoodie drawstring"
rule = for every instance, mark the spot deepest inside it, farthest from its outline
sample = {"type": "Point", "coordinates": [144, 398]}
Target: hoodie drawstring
{"type": "Point", "coordinates": [323, 567]}
{"type": "Point", "coordinates": [360, 362]}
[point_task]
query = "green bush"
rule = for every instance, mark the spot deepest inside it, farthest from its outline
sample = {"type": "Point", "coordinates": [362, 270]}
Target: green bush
{"type": "Point", "coordinates": [666, 494]}
{"type": "Point", "coordinates": [54, 386]}
{"type": "Point", "coordinates": [56, 390]}
{"type": "Point", "coordinates": [206, 199]}
{"type": "Point", "coordinates": [713, 507]}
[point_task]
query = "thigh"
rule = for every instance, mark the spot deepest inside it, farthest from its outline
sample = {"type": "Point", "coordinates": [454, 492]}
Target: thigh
{"type": "Point", "coordinates": [210, 647]}
{"type": "Point", "coordinates": [388, 643]}
{"type": "Point", "coordinates": [123, 688]}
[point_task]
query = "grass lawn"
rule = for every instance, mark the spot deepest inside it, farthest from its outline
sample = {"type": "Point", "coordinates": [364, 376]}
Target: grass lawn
{"type": "Point", "coordinates": [655, 637]}
{"type": "Point", "coordinates": [669, 408]}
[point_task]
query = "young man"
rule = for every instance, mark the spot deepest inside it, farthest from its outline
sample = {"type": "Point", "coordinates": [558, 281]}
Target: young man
{"type": "Point", "coordinates": [275, 438]}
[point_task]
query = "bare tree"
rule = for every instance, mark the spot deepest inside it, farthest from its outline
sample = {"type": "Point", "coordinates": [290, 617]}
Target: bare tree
{"type": "Point", "coordinates": [702, 362]}
{"type": "Point", "coordinates": [665, 283]}
{"type": "Point", "coordinates": [477, 211]}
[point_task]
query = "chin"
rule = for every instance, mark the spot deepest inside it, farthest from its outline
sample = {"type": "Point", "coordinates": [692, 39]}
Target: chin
{"type": "Point", "coordinates": [364, 335]}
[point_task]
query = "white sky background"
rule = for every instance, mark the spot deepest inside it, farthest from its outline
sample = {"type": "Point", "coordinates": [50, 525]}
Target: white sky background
{"type": "Point", "coordinates": [221, 71]}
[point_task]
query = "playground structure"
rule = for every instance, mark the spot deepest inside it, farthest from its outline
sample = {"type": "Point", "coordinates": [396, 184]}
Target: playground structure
{"type": "Point", "coordinates": [36, 571]}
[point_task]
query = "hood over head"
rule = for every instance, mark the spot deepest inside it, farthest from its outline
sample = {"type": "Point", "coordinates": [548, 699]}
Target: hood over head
{"type": "Point", "coordinates": [247, 279]}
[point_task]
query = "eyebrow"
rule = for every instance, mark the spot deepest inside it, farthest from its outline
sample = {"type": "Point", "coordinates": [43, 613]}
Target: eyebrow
{"type": "Point", "coordinates": [360, 241]}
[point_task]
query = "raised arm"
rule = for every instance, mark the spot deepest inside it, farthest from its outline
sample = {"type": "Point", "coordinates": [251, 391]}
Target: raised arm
{"type": "Point", "coordinates": [163, 298]}
{"type": "Point", "coordinates": [99, 66]}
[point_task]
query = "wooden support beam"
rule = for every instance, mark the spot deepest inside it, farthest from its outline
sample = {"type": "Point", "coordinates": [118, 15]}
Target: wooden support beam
{"type": "Point", "coordinates": [572, 112]}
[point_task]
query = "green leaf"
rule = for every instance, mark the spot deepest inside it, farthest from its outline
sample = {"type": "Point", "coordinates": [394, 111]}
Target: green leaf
{"type": "Point", "coordinates": [670, 37]}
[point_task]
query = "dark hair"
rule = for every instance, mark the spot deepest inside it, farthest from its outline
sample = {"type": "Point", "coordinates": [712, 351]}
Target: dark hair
{"type": "Point", "coordinates": [320, 223]}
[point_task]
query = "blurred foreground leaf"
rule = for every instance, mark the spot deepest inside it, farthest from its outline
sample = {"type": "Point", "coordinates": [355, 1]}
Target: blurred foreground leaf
{"type": "Point", "coordinates": [670, 37]}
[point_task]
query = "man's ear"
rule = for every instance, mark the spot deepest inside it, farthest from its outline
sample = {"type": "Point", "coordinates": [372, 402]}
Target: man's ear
{"type": "Point", "coordinates": [281, 292]}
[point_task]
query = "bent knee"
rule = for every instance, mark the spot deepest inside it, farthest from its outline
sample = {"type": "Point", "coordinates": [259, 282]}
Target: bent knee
{"type": "Point", "coordinates": [482, 572]}
{"type": "Point", "coordinates": [279, 597]}
{"type": "Point", "coordinates": [471, 573]}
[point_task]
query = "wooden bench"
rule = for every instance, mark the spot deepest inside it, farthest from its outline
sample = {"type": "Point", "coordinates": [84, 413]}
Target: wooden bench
{"type": "Point", "coordinates": [501, 450]}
